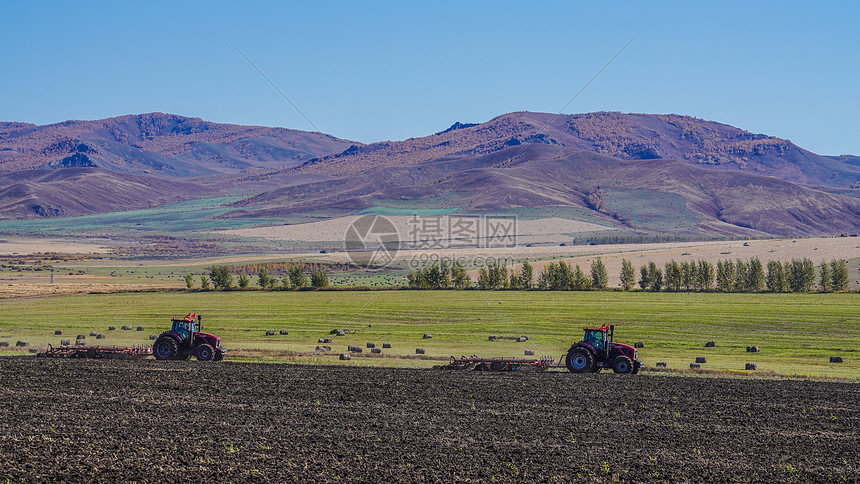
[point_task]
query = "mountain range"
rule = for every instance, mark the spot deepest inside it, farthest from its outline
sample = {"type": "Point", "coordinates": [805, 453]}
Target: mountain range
{"type": "Point", "coordinates": [643, 172]}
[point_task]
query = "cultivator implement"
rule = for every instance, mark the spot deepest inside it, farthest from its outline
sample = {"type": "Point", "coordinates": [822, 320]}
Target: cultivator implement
{"type": "Point", "coordinates": [83, 351]}
{"type": "Point", "coordinates": [500, 364]}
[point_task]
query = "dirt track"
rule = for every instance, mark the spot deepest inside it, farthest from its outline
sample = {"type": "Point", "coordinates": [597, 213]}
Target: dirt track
{"type": "Point", "coordinates": [114, 421]}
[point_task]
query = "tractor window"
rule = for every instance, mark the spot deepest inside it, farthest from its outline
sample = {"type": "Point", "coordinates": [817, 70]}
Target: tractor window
{"type": "Point", "coordinates": [595, 338]}
{"type": "Point", "coordinates": [182, 327]}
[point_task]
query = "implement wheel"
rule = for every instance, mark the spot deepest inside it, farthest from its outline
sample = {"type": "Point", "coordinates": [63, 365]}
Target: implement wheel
{"type": "Point", "coordinates": [165, 348]}
{"type": "Point", "coordinates": [580, 360]}
{"type": "Point", "coordinates": [622, 365]}
{"type": "Point", "coordinates": [204, 352]}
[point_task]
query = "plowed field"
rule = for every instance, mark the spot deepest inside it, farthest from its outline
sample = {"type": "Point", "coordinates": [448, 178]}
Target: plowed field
{"type": "Point", "coordinates": [113, 421]}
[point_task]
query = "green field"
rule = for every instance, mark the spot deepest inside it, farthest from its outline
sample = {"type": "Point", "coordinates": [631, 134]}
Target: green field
{"type": "Point", "coordinates": [797, 333]}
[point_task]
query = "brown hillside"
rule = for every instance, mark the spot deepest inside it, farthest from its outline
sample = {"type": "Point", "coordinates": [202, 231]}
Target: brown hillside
{"type": "Point", "coordinates": [625, 136]}
{"type": "Point", "coordinates": [160, 144]}
{"type": "Point", "coordinates": [85, 191]}
{"type": "Point", "coordinates": [712, 201]}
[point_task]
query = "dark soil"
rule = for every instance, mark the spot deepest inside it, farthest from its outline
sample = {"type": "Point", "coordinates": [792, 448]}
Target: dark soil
{"type": "Point", "coordinates": [177, 421]}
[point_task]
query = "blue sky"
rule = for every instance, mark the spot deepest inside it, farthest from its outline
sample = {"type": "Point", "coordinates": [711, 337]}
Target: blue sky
{"type": "Point", "coordinates": [373, 71]}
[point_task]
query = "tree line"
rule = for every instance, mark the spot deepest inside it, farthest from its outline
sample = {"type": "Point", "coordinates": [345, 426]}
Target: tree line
{"type": "Point", "coordinates": [285, 267]}
{"type": "Point", "coordinates": [220, 278]}
{"type": "Point", "coordinates": [797, 275]}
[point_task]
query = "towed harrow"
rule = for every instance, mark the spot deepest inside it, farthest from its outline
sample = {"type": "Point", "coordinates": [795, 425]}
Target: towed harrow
{"type": "Point", "coordinates": [500, 364]}
{"type": "Point", "coordinates": [83, 351]}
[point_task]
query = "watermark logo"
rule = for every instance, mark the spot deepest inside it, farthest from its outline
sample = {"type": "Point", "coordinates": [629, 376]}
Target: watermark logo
{"type": "Point", "coordinates": [375, 240]}
{"type": "Point", "coordinates": [372, 241]}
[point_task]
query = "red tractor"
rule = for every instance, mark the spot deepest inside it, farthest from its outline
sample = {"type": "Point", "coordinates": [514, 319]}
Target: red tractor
{"type": "Point", "coordinates": [185, 340]}
{"type": "Point", "coordinates": [597, 351]}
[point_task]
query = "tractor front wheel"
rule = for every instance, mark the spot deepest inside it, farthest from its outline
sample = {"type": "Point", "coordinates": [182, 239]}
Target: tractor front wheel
{"type": "Point", "coordinates": [580, 360]}
{"type": "Point", "coordinates": [218, 356]}
{"type": "Point", "coordinates": [165, 348]}
{"type": "Point", "coordinates": [204, 352]}
{"type": "Point", "coordinates": [622, 365]}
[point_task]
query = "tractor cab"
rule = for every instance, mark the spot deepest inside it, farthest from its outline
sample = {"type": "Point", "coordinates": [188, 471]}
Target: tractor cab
{"type": "Point", "coordinates": [597, 337]}
{"type": "Point", "coordinates": [187, 328]}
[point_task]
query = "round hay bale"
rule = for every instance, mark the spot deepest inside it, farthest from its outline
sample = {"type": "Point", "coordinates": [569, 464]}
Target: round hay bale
{"type": "Point", "coordinates": [334, 331]}
{"type": "Point", "coordinates": [419, 351]}
{"type": "Point", "coordinates": [701, 359]}
{"type": "Point", "coordinates": [320, 340]}
{"type": "Point", "coordinates": [58, 332]}
{"type": "Point", "coordinates": [270, 333]}
{"type": "Point", "coordinates": [33, 350]}
{"type": "Point", "coordinates": [111, 328]}
{"type": "Point", "coordinates": [836, 359]}
{"type": "Point", "coordinates": [4, 344]}
{"type": "Point", "coordinates": [529, 352]}
{"type": "Point", "coordinates": [386, 345]}
{"type": "Point", "coordinates": [140, 328]}
{"type": "Point", "coordinates": [284, 332]}
{"type": "Point", "coordinates": [695, 366]}
{"type": "Point", "coordinates": [344, 356]}
{"type": "Point", "coordinates": [94, 333]}
{"type": "Point", "coordinates": [522, 339]}
{"type": "Point", "coordinates": [153, 336]}
{"type": "Point", "coordinates": [427, 336]}
{"type": "Point", "coordinates": [21, 344]}
{"type": "Point", "coordinates": [371, 345]}
{"type": "Point", "coordinates": [100, 336]}
{"type": "Point", "coordinates": [661, 364]}
{"type": "Point", "coordinates": [81, 336]}
{"type": "Point", "coordinates": [750, 367]}
{"type": "Point", "coordinates": [710, 344]}
{"type": "Point", "coordinates": [354, 349]}
{"type": "Point", "coordinates": [341, 333]}
{"type": "Point", "coordinates": [493, 337]}
{"type": "Point", "coordinates": [65, 342]}
{"type": "Point", "coordinates": [324, 349]}
{"type": "Point", "coordinates": [638, 344]}
{"type": "Point", "coordinates": [752, 349]}
{"type": "Point", "coordinates": [80, 342]}
{"type": "Point", "coordinates": [326, 340]}
{"type": "Point", "coordinates": [376, 350]}
{"type": "Point", "coordinates": [126, 328]}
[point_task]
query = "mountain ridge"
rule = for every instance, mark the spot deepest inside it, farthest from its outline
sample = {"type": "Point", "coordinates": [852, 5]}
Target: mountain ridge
{"type": "Point", "coordinates": [165, 145]}
{"type": "Point", "coordinates": [634, 171]}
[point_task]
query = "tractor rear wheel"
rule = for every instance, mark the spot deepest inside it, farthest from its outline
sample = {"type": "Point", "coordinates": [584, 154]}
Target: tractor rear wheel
{"type": "Point", "coordinates": [622, 365]}
{"type": "Point", "coordinates": [580, 360]}
{"type": "Point", "coordinates": [165, 348]}
{"type": "Point", "coordinates": [204, 352]}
